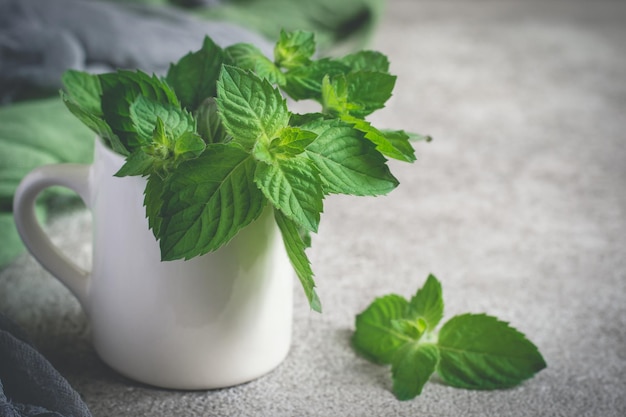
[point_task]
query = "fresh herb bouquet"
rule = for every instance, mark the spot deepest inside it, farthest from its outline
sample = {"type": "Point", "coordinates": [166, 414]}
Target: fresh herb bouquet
{"type": "Point", "coordinates": [217, 142]}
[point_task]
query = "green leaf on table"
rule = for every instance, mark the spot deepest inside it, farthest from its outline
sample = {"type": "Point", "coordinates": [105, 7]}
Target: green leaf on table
{"type": "Point", "coordinates": [414, 328]}
{"type": "Point", "coordinates": [375, 336]}
{"type": "Point", "coordinates": [295, 247]}
{"type": "Point", "coordinates": [204, 208]}
{"type": "Point", "coordinates": [473, 351]}
{"type": "Point", "coordinates": [294, 49]}
{"type": "Point", "coordinates": [482, 352]}
{"type": "Point", "coordinates": [347, 162]}
{"type": "Point", "coordinates": [249, 57]}
{"type": "Point", "coordinates": [427, 303]}
{"type": "Point", "coordinates": [194, 77]}
{"type": "Point", "coordinates": [250, 108]}
{"type": "Point", "coordinates": [411, 367]}
{"type": "Point", "coordinates": [293, 186]}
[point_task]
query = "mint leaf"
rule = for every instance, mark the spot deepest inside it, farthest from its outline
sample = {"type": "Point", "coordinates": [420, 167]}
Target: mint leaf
{"type": "Point", "coordinates": [261, 152]}
{"type": "Point", "coordinates": [84, 89]}
{"type": "Point", "coordinates": [137, 163]}
{"type": "Point", "coordinates": [204, 208]}
{"type": "Point", "coordinates": [305, 82]}
{"type": "Point", "coordinates": [481, 352]}
{"type": "Point", "coordinates": [294, 49]}
{"type": "Point", "coordinates": [194, 77]}
{"type": "Point", "coordinates": [162, 143]}
{"type": "Point", "coordinates": [427, 303]}
{"type": "Point", "coordinates": [357, 93]}
{"type": "Point", "coordinates": [347, 162]}
{"type": "Point", "coordinates": [366, 61]}
{"type": "Point", "coordinates": [209, 124]}
{"type": "Point", "coordinates": [401, 141]}
{"type": "Point", "coordinates": [95, 123]}
{"type": "Point", "coordinates": [411, 367]}
{"type": "Point", "coordinates": [144, 113]}
{"type": "Point", "coordinates": [335, 95]}
{"type": "Point", "coordinates": [119, 92]}
{"type": "Point", "coordinates": [83, 100]}
{"type": "Point", "coordinates": [168, 145]}
{"type": "Point", "coordinates": [293, 186]}
{"type": "Point", "coordinates": [353, 96]}
{"type": "Point", "coordinates": [295, 246]}
{"type": "Point", "coordinates": [291, 141]}
{"type": "Point", "coordinates": [250, 108]}
{"type": "Point", "coordinates": [368, 91]}
{"type": "Point", "coordinates": [375, 336]}
{"type": "Point", "coordinates": [299, 120]}
{"type": "Point", "coordinates": [394, 148]}
{"type": "Point", "coordinates": [137, 83]}
{"type": "Point", "coordinates": [153, 201]}
{"type": "Point", "coordinates": [249, 57]}
{"type": "Point", "coordinates": [414, 328]}
{"type": "Point", "coordinates": [188, 145]}
{"type": "Point", "coordinates": [473, 351]}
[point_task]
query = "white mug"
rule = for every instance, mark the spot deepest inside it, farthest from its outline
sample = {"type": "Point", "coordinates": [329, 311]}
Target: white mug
{"type": "Point", "coordinates": [216, 320]}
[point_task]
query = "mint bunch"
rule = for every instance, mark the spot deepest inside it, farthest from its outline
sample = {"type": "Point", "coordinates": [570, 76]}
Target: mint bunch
{"type": "Point", "coordinates": [217, 142]}
{"type": "Point", "coordinates": [472, 351]}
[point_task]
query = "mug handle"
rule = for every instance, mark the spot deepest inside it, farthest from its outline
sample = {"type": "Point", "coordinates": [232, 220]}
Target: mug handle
{"type": "Point", "coordinates": [74, 177]}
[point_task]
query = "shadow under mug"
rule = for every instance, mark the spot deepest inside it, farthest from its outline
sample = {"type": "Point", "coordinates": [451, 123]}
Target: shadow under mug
{"type": "Point", "coordinates": [216, 320]}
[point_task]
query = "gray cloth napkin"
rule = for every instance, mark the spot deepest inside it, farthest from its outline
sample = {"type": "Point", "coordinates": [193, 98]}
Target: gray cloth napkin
{"type": "Point", "coordinates": [29, 384]}
{"type": "Point", "coordinates": [40, 39]}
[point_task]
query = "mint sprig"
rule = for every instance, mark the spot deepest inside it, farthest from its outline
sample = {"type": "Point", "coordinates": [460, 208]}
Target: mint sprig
{"type": "Point", "coordinates": [193, 77]}
{"type": "Point", "coordinates": [204, 208]}
{"type": "Point", "coordinates": [250, 108]}
{"type": "Point", "coordinates": [217, 142]}
{"type": "Point", "coordinates": [472, 351]}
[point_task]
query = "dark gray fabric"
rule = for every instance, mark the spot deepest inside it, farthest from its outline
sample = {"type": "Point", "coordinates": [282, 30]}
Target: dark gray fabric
{"type": "Point", "coordinates": [29, 384]}
{"type": "Point", "coordinates": [39, 40]}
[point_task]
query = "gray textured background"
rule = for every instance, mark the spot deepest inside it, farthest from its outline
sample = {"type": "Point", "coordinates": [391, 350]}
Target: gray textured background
{"type": "Point", "coordinates": [518, 206]}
